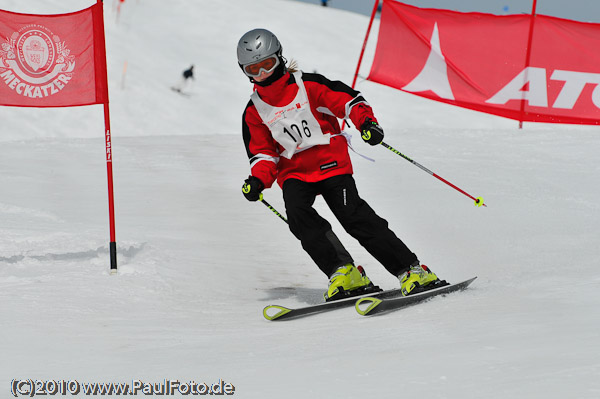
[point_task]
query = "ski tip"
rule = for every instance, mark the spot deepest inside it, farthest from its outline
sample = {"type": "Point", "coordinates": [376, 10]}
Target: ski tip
{"type": "Point", "coordinates": [469, 281]}
{"type": "Point", "coordinates": [273, 312]}
{"type": "Point", "coordinates": [365, 305]}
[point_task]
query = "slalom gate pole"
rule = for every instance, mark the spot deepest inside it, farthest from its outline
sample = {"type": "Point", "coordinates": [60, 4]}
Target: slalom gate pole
{"type": "Point", "coordinates": [261, 199]}
{"type": "Point", "coordinates": [362, 51]}
{"type": "Point", "coordinates": [102, 80]}
{"type": "Point", "coordinates": [478, 200]}
{"type": "Point", "coordinates": [528, 58]}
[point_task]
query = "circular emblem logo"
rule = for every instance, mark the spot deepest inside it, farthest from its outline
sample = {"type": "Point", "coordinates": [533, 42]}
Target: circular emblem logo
{"type": "Point", "coordinates": [36, 52]}
{"type": "Point", "coordinates": [35, 63]}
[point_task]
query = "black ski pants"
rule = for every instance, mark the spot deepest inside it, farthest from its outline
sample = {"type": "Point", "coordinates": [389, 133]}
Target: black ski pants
{"type": "Point", "coordinates": [353, 213]}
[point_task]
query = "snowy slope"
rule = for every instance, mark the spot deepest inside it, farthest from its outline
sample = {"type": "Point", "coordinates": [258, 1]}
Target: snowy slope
{"type": "Point", "coordinates": [197, 263]}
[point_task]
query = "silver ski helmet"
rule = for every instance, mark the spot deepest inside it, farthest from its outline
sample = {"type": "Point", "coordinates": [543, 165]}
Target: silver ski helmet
{"type": "Point", "coordinates": [257, 45]}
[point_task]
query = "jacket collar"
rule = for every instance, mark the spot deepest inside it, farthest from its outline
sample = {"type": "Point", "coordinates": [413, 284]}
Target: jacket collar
{"type": "Point", "coordinates": [277, 93]}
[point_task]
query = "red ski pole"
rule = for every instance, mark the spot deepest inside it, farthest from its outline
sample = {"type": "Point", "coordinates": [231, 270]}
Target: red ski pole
{"type": "Point", "coordinates": [478, 200]}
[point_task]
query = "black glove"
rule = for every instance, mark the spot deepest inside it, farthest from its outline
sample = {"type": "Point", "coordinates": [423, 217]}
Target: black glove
{"type": "Point", "coordinates": [252, 188]}
{"type": "Point", "coordinates": [371, 132]}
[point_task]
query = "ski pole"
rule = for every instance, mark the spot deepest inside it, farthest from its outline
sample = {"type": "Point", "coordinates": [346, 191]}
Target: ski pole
{"type": "Point", "coordinates": [478, 200]}
{"type": "Point", "coordinates": [261, 199]}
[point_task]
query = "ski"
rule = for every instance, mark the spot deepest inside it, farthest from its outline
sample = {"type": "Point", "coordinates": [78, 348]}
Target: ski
{"type": "Point", "coordinates": [371, 305]}
{"type": "Point", "coordinates": [277, 313]}
{"type": "Point", "coordinates": [183, 93]}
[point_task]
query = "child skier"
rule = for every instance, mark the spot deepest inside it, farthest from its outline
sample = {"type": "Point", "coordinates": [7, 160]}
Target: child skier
{"type": "Point", "coordinates": [291, 133]}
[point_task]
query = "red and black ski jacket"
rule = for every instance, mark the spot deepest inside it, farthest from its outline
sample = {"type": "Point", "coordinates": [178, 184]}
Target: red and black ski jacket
{"type": "Point", "coordinates": [329, 100]}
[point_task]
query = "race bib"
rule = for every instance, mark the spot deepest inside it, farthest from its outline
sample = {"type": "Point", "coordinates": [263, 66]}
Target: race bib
{"type": "Point", "coordinates": [294, 125]}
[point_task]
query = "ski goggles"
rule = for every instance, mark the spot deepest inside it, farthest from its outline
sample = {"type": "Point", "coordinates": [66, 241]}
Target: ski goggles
{"type": "Point", "coordinates": [267, 65]}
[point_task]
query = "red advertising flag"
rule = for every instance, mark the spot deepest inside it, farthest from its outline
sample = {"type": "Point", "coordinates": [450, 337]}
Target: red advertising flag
{"type": "Point", "coordinates": [53, 60]}
{"type": "Point", "coordinates": [58, 61]}
{"type": "Point", "coordinates": [479, 61]}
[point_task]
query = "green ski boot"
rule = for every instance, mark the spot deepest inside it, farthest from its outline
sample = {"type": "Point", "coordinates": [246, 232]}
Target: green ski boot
{"type": "Point", "coordinates": [417, 277]}
{"type": "Point", "coordinates": [348, 281]}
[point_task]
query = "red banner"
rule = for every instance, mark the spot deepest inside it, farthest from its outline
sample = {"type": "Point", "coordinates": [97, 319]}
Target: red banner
{"type": "Point", "coordinates": [53, 60]}
{"type": "Point", "coordinates": [480, 61]}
